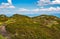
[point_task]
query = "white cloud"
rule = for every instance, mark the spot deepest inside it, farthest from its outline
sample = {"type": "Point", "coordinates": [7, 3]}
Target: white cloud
{"type": "Point", "coordinates": [47, 2]}
{"type": "Point", "coordinates": [28, 10]}
{"type": "Point", "coordinates": [56, 2]}
{"type": "Point", "coordinates": [6, 5]}
{"type": "Point", "coordinates": [7, 10]}
{"type": "Point", "coordinates": [50, 9]}
{"type": "Point", "coordinates": [11, 6]}
{"type": "Point", "coordinates": [36, 10]}
{"type": "Point", "coordinates": [10, 1]}
{"type": "Point", "coordinates": [43, 2]}
{"type": "Point", "coordinates": [39, 10]}
{"type": "Point", "coordinates": [31, 11]}
{"type": "Point", "coordinates": [23, 10]}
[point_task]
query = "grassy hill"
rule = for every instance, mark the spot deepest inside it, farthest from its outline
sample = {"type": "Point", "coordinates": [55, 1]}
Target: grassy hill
{"type": "Point", "coordinates": [39, 27]}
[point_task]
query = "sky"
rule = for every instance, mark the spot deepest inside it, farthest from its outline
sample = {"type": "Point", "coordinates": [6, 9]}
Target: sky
{"type": "Point", "coordinates": [30, 7]}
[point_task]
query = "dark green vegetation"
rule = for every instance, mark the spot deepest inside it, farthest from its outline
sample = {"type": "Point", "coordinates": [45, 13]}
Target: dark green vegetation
{"type": "Point", "coordinates": [24, 27]}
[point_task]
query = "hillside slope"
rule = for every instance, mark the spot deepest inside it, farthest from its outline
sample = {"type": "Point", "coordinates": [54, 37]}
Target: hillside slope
{"type": "Point", "coordinates": [39, 27]}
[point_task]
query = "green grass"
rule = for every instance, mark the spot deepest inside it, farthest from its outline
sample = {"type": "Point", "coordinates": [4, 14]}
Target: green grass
{"type": "Point", "coordinates": [40, 27]}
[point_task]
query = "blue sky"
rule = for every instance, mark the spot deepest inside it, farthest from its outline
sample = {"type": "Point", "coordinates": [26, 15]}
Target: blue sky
{"type": "Point", "coordinates": [30, 7]}
{"type": "Point", "coordinates": [22, 3]}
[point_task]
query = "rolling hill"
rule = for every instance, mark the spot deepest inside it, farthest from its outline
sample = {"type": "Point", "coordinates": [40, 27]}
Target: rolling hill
{"type": "Point", "coordinates": [24, 27]}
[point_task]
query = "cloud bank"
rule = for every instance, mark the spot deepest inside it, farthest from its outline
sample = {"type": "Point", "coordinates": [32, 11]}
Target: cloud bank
{"type": "Point", "coordinates": [56, 2]}
{"type": "Point", "coordinates": [40, 9]}
{"type": "Point", "coordinates": [47, 2]}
